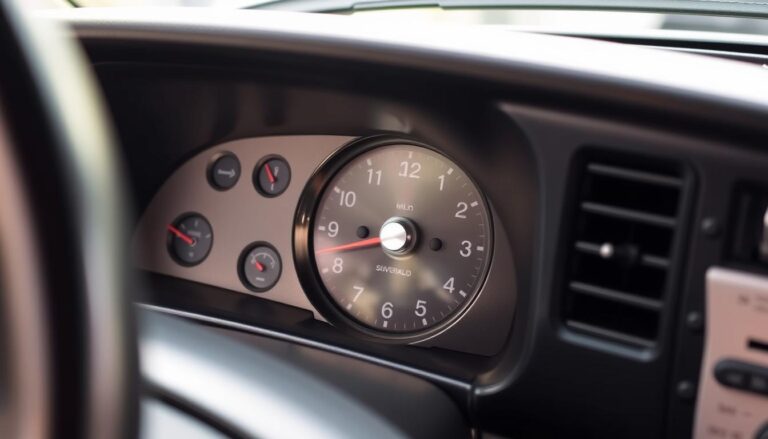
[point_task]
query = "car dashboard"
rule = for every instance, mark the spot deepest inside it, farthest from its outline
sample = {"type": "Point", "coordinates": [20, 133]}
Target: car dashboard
{"type": "Point", "coordinates": [540, 234]}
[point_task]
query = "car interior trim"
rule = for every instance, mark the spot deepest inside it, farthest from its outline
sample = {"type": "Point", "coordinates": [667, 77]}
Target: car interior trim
{"type": "Point", "coordinates": [437, 378]}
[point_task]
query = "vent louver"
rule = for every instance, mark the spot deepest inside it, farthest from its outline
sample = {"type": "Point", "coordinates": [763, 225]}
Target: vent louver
{"type": "Point", "coordinates": [622, 253]}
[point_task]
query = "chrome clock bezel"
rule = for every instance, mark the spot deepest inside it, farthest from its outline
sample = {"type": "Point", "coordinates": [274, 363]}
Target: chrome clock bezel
{"type": "Point", "coordinates": [304, 259]}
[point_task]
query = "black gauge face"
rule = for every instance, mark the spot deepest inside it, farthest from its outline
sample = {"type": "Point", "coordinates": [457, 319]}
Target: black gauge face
{"type": "Point", "coordinates": [272, 176]}
{"type": "Point", "coordinates": [224, 171]}
{"type": "Point", "coordinates": [190, 239]}
{"type": "Point", "coordinates": [401, 239]}
{"type": "Point", "coordinates": [260, 267]}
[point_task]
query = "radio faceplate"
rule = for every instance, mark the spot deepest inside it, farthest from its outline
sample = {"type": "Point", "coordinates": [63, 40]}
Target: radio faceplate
{"type": "Point", "coordinates": [733, 396]}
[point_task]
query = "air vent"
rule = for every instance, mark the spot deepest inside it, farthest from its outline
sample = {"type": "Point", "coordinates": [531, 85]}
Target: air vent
{"type": "Point", "coordinates": [622, 254]}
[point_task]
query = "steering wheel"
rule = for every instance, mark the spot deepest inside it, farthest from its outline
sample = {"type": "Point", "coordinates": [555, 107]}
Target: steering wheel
{"type": "Point", "coordinates": [67, 353]}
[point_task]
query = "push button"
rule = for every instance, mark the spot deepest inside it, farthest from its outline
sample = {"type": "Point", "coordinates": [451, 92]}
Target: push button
{"type": "Point", "coordinates": [758, 383]}
{"type": "Point", "coordinates": [743, 376]}
{"type": "Point", "coordinates": [731, 374]}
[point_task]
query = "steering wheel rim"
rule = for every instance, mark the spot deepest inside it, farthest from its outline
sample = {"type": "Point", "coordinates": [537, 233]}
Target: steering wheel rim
{"type": "Point", "coordinates": [67, 335]}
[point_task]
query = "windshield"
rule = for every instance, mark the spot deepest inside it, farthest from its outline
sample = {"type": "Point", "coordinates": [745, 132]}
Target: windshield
{"type": "Point", "coordinates": [547, 16]}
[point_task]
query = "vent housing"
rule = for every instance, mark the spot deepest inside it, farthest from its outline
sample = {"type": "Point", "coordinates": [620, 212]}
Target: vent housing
{"type": "Point", "coordinates": [623, 254]}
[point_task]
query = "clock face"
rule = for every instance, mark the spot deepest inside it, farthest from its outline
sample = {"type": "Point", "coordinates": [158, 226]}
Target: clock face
{"type": "Point", "coordinates": [400, 239]}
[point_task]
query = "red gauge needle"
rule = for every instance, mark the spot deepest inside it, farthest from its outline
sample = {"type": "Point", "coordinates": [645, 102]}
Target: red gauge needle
{"type": "Point", "coordinates": [259, 266]}
{"type": "Point", "coordinates": [181, 235]}
{"type": "Point", "coordinates": [270, 176]}
{"type": "Point", "coordinates": [372, 242]}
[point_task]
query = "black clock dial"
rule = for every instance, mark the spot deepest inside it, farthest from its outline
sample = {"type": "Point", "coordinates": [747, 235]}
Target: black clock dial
{"type": "Point", "coordinates": [400, 239]}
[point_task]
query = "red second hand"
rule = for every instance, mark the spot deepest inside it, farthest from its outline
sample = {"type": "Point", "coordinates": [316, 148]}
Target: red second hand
{"type": "Point", "coordinates": [270, 176]}
{"type": "Point", "coordinates": [181, 235]}
{"type": "Point", "coordinates": [351, 246]}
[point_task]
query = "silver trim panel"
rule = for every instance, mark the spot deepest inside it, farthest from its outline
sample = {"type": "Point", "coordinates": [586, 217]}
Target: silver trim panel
{"type": "Point", "coordinates": [241, 215]}
{"type": "Point", "coordinates": [238, 216]}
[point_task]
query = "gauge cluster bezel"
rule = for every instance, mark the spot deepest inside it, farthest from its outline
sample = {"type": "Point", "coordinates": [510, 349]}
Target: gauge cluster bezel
{"type": "Point", "coordinates": [304, 259]}
{"type": "Point", "coordinates": [242, 215]}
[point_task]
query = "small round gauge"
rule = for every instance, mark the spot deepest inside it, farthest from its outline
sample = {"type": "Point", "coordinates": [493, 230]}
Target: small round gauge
{"type": "Point", "coordinates": [272, 176]}
{"type": "Point", "coordinates": [260, 267]}
{"type": "Point", "coordinates": [224, 171]}
{"type": "Point", "coordinates": [190, 239]}
{"type": "Point", "coordinates": [396, 235]}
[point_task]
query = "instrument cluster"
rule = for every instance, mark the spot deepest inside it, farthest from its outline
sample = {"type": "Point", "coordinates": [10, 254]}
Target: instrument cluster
{"type": "Point", "coordinates": [385, 238]}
